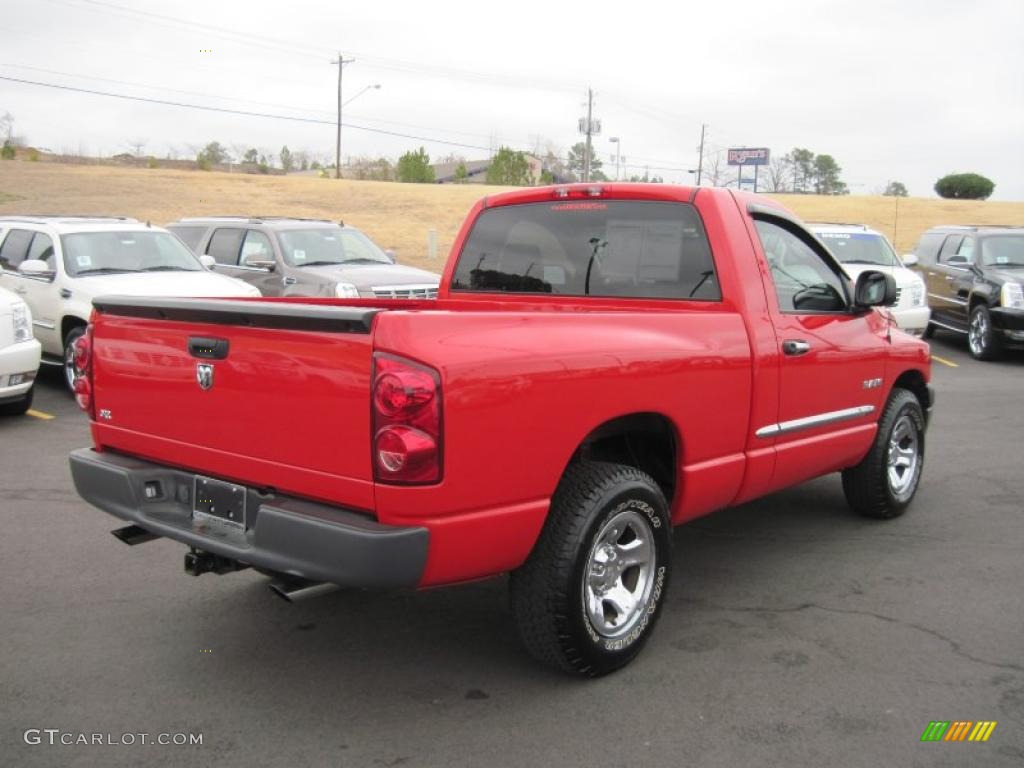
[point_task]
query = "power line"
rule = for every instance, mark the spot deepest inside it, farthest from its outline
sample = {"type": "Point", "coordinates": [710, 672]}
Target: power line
{"type": "Point", "coordinates": [270, 116]}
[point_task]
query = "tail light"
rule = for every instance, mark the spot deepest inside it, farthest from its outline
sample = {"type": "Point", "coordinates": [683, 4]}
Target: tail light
{"type": "Point", "coordinates": [83, 371]}
{"type": "Point", "coordinates": [407, 428]}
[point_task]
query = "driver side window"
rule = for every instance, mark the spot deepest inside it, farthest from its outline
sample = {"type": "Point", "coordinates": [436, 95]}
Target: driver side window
{"type": "Point", "coordinates": [804, 282]}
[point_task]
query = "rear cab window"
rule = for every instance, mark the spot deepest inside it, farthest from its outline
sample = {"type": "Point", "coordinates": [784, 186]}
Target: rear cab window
{"type": "Point", "coordinates": [607, 248]}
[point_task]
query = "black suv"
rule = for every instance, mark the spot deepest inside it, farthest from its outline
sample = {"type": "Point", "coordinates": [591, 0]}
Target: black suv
{"type": "Point", "coordinates": [973, 277]}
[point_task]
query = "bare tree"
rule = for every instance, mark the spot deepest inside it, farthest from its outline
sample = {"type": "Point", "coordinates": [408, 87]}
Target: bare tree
{"type": "Point", "coordinates": [716, 169]}
{"type": "Point", "coordinates": [777, 174]}
{"type": "Point", "coordinates": [136, 146]}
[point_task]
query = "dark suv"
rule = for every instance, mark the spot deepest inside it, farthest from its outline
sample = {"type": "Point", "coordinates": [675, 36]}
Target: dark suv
{"type": "Point", "coordinates": [302, 257]}
{"type": "Point", "coordinates": [973, 277]}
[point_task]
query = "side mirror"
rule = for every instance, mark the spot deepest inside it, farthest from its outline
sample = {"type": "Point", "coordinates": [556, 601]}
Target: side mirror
{"type": "Point", "coordinates": [207, 261]}
{"type": "Point", "coordinates": [391, 256]}
{"type": "Point", "coordinates": [874, 289]}
{"type": "Point", "coordinates": [36, 268]}
{"type": "Point", "coordinates": [268, 265]}
{"type": "Point", "coordinates": [909, 259]}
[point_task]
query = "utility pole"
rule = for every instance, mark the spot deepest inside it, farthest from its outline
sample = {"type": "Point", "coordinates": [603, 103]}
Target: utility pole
{"type": "Point", "coordinates": [700, 154]}
{"type": "Point", "coordinates": [341, 62]}
{"type": "Point", "coordinates": [590, 116]}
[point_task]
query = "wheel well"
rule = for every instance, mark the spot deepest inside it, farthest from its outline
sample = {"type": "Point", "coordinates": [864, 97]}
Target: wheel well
{"type": "Point", "coordinates": [914, 382]}
{"type": "Point", "coordinates": [647, 441]}
{"type": "Point", "coordinates": [68, 323]}
{"type": "Point", "coordinates": [975, 300]}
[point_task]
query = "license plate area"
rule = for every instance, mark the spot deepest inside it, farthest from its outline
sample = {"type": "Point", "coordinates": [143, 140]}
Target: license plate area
{"type": "Point", "coordinates": [218, 502]}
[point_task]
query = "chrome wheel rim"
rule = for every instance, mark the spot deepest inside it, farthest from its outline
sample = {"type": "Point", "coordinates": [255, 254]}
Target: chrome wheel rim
{"type": "Point", "coordinates": [904, 457]}
{"type": "Point", "coordinates": [618, 578]}
{"type": "Point", "coordinates": [977, 333]}
{"type": "Point", "coordinates": [69, 365]}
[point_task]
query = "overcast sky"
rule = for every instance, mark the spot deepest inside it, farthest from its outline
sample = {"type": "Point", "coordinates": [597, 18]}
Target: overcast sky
{"type": "Point", "coordinates": [907, 90]}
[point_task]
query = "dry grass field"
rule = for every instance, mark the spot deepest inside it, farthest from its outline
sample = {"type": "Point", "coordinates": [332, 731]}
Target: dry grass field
{"type": "Point", "coordinates": [397, 216]}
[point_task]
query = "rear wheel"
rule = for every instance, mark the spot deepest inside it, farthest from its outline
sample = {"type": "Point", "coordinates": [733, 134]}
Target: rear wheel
{"type": "Point", "coordinates": [884, 483]}
{"type": "Point", "coordinates": [18, 407]}
{"type": "Point", "coordinates": [981, 337]}
{"type": "Point", "coordinates": [929, 331]}
{"type": "Point", "coordinates": [591, 591]}
{"type": "Point", "coordinates": [69, 356]}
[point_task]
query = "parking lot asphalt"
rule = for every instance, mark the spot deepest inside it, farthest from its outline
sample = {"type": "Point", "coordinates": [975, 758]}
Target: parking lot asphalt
{"type": "Point", "coordinates": [795, 634]}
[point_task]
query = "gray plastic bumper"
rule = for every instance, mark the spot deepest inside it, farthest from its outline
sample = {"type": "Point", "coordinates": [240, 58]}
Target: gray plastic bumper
{"type": "Point", "coordinates": [314, 541]}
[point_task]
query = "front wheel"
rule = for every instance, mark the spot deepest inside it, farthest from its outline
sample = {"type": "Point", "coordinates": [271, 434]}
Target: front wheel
{"type": "Point", "coordinates": [981, 337]}
{"type": "Point", "coordinates": [884, 483]}
{"type": "Point", "coordinates": [589, 595]}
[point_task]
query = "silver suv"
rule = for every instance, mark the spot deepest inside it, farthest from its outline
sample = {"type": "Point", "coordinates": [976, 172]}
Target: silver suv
{"type": "Point", "coordinates": [302, 257]}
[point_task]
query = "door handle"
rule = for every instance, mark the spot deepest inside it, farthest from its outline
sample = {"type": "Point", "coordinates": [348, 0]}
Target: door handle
{"type": "Point", "coordinates": [289, 281]}
{"type": "Point", "coordinates": [795, 347]}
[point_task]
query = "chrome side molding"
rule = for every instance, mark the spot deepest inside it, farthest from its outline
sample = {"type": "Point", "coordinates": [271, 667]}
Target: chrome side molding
{"type": "Point", "coordinates": [808, 422]}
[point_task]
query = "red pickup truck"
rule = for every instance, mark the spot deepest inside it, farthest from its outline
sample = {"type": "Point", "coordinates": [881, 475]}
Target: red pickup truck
{"type": "Point", "coordinates": [603, 362]}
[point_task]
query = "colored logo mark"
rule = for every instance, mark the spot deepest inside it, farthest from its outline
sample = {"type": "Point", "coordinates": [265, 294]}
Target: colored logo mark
{"type": "Point", "coordinates": [958, 730]}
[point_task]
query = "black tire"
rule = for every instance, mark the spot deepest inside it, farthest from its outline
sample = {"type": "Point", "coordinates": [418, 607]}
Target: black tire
{"type": "Point", "coordinates": [69, 342]}
{"type": "Point", "coordinates": [548, 591]}
{"type": "Point", "coordinates": [18, 407]}
{"type": "Point", "coordinates": [981, 337]}
{"type": "Point", "coordinates": [870, 489]}
{"type": "Point", "coordinates": [929, 331]}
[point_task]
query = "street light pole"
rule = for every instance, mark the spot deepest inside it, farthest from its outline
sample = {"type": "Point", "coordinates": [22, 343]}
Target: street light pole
{"type": "Point", "coordinates": [341, 62]}
{"type": "Point", "coordinates": [618, 154]}
{"type": "Point", "coordinates": [367, 88]}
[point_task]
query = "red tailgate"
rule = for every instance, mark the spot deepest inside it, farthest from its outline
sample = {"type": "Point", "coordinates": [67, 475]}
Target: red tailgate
{"type": "Point", "coordinates": [287, 404]}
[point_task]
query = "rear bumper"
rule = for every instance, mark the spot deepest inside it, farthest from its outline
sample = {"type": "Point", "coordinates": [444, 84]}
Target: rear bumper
{"type": "Point", "coordinates": [288, 535]}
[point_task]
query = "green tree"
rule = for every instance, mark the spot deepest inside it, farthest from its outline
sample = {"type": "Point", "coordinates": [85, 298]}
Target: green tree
{"type": "Point", "coordinates": [896, 189]}
{"type": "Point", "coordinates": [287, 160]}
{"type": "Point", "coordinates": [509, 168]}
{"type": "Point", "coordinates": [414, 167]}
{"type": "Point", "coordinates": [576, 159]}
{"type": "Point", "coordinates": [461, 174]}
{"type": "Point", "coordinates": [251, 156]}
{"type": "Point", "coordinates": [826, 176]}
{"type": "Point", "coordinates": [802, 163]}
{"type": "Point", "coordinates": [964, 186]}
{"type": "Point", "coordinates": [212, 154]}
{"type": "Point", "coordinates": [7, 153]}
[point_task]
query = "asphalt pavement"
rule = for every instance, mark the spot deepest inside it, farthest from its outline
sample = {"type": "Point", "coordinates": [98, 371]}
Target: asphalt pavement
{"type": "Point", "coordinates": [794, 634]}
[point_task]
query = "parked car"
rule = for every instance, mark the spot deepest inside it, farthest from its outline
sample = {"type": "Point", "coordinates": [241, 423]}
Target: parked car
{"type": "Point", "coordinates": [860, 248]}
{"type": "Point", "coordinates": [602, 362]}
{"type": "Point", "coordinates": [19, 355]}
{"type": "Point", "coordinates": [59, 264]}
{"type": "Point", "coordinates": [974, 277]}
{"type": "Point", "coordinates": [303, 257]}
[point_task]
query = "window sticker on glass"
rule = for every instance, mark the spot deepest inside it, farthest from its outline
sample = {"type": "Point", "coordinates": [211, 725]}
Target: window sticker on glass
{"type": "Point", "coordinates": [834, 235]}
{"type": "Point", "coordinates": [128, 242]}
{"type": "Point", "coordinates": [330, 238]}
{"type": "Point", "coordinates": [84, 260]}
{"type": "Point", "coordinates": [1002, 259]}
{"type": "Point", "coordinates": [299, 255]}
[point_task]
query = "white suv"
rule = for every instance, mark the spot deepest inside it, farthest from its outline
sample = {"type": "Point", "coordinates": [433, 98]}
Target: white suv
{"type": "Point", "coordinates": [860, 248]}
{"type": "Point", "coordinates": [59, 264]}
{"type": "Point", "coordinates": [19, 355]}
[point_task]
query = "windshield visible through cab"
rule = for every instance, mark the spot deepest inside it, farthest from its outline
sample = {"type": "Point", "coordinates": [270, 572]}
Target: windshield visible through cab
{"type": "Point", "coordinates": [94, 253]}
{"type": "Point", "coordinates": [329, 245]}
{"type": "Point", "coordinates": [859, 248]}
{"type": "Point", "coordinates": [1003, 251]}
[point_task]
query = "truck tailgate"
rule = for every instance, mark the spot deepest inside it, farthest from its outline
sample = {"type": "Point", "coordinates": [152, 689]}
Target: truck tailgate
{"type": "Point", "coordinates": [272, 394]}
